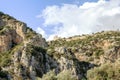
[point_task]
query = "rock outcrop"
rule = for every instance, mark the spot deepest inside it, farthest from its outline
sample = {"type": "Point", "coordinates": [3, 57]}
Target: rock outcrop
{"type": "Point", "coordinates": [14, 32]}
{"type": "Point", "coordinates": [22, 50]}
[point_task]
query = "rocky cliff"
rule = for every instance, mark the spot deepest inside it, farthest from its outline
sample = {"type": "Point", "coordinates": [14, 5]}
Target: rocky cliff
{"type": "Point", "coordinates": [22, 50]}
{"type": "Point", "coordinates": [25, 55]}
{"type": "Point", "coordinates": [95, 56]}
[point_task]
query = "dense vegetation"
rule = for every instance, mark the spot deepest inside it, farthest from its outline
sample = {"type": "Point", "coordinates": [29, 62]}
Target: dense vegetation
{"type": "Point", "coordinates": [65, 75]}
{"type": "Point", "coordinates": [105, 72]}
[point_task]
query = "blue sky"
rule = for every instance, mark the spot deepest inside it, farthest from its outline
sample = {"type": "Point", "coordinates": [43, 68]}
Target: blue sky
{"type": "Point", "coordinates": [69, 17]}
{"type": "Point", "coordinates": [27, 10]}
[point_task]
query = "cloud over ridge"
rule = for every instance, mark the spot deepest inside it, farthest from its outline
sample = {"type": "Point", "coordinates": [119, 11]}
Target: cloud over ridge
{"type": "Point", "coordinates": [73, 19]}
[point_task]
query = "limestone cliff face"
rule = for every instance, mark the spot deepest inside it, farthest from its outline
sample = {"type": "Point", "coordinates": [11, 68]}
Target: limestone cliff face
{"type": "Point", "coordinates": [28, 63]}
{"type": "Point", "coordinates": [12, 32]}
{"type": "Point", "coordinates": [19, 27]}
{"type": "Point", "coordinates": [23, 54]}
{"type": "Point", "coordinates": [8, 39]}
{"type": "Point", "coordinates": [15, 32]}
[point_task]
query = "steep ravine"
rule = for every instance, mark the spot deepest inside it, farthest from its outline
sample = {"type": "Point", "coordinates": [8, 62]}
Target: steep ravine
{"type": "Point", "coordinates": [25, 55]}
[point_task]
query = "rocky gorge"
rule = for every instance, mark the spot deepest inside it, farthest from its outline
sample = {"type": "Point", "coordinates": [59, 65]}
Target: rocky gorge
{"type": "Point", "coordinates": [26, 55]}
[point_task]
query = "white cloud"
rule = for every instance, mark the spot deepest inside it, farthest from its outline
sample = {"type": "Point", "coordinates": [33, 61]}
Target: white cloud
{"type": "Point", "coordinates": [41, 31]}
{"type": "Point", "coordinates": [70, 19]}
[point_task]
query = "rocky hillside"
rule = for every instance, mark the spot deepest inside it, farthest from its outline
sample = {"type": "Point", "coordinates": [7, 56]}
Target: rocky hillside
{"type": "Point", "coordinates": [22, 51]}
{"type": "Point", "coordinates": [95, 56]}
{"type": "Point", "coordinates": [25, 55]}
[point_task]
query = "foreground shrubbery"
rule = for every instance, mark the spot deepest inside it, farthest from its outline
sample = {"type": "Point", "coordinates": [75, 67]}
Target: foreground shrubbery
{"type": "Point", "coordinates": [64, 75]}
{"type": "Point", "coordinates": [109, 71]}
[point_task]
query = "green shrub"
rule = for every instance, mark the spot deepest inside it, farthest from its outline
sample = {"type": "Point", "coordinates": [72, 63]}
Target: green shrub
{"type": "Point", "coordinates": [5, 58]}
{"type": "Point", "coordinates": [35, 50]}
{"type": "Point", "coordinates": [49, 76]}
{"type": "Point", "coordinates": [109, 71]}
{"type": "Point", "coordinates": [66, 75]}
{"type": "Point", "coordinates": [4, 29]}
{"type": "Point", "coordinates": [98, 52]}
